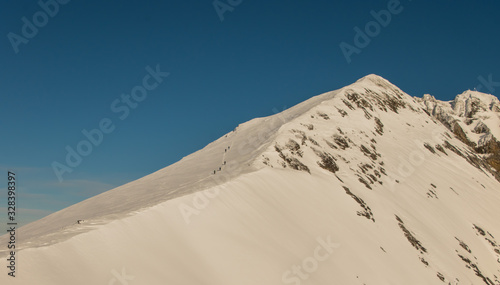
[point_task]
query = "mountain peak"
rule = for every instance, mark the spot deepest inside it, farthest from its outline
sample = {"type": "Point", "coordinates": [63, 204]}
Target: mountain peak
{"type": "Point", "coordinates": [484, 98]}
{"type": "Point", "coordinates": [474, 117]}
{"type": "Point", "coordinates": [377, 86]}
{"type": "Point", "coordinates": [373, 78]}
{"type": "Point", "coordinates": [360, 172]}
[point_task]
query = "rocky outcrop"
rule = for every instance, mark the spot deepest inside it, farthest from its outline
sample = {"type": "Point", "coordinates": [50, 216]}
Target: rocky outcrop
{"type": "Point", "coordinates": [474, 118]}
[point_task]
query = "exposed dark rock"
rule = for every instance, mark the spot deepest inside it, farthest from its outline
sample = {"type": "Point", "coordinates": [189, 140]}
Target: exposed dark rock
{"type": "Point", "coordinates": [411, 238]}
{"type": "Point", "coordinates": [367, 212]}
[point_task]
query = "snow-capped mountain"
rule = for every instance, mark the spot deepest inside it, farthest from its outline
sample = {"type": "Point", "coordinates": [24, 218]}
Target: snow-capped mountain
{"type": "Point", "coordinates": [474, 118]}
{"type": "Point", "coordinates": [362, 185]}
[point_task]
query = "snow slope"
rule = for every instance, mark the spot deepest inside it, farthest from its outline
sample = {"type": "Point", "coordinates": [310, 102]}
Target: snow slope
{"type": "Point", "coordinates": [355, 186]}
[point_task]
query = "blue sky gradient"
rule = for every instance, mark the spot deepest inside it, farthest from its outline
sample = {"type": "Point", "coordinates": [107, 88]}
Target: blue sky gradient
{"type": "Point", "coordinates": [263, 56]}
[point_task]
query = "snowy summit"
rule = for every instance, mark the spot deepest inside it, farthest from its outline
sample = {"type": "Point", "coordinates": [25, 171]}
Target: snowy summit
{"type": "Point", "coordinates": [362, 185]}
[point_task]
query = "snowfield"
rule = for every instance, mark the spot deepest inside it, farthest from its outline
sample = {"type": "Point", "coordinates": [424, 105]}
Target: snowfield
{"type": "Point", "coordinates": [362, 185]}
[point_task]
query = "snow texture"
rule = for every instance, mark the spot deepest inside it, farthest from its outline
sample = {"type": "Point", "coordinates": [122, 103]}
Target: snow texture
{"type": "Point", "coordinates": [362, 185]}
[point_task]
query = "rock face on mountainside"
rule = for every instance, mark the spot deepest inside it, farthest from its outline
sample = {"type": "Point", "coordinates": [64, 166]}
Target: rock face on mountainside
{"type": "Point", "coordinates": [474, 118]}
{"type": "Point", "coordinates": [361, 185]}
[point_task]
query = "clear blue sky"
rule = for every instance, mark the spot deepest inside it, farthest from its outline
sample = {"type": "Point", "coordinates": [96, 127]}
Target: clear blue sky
{"type": "Point", "coordinates": [264, 55]}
